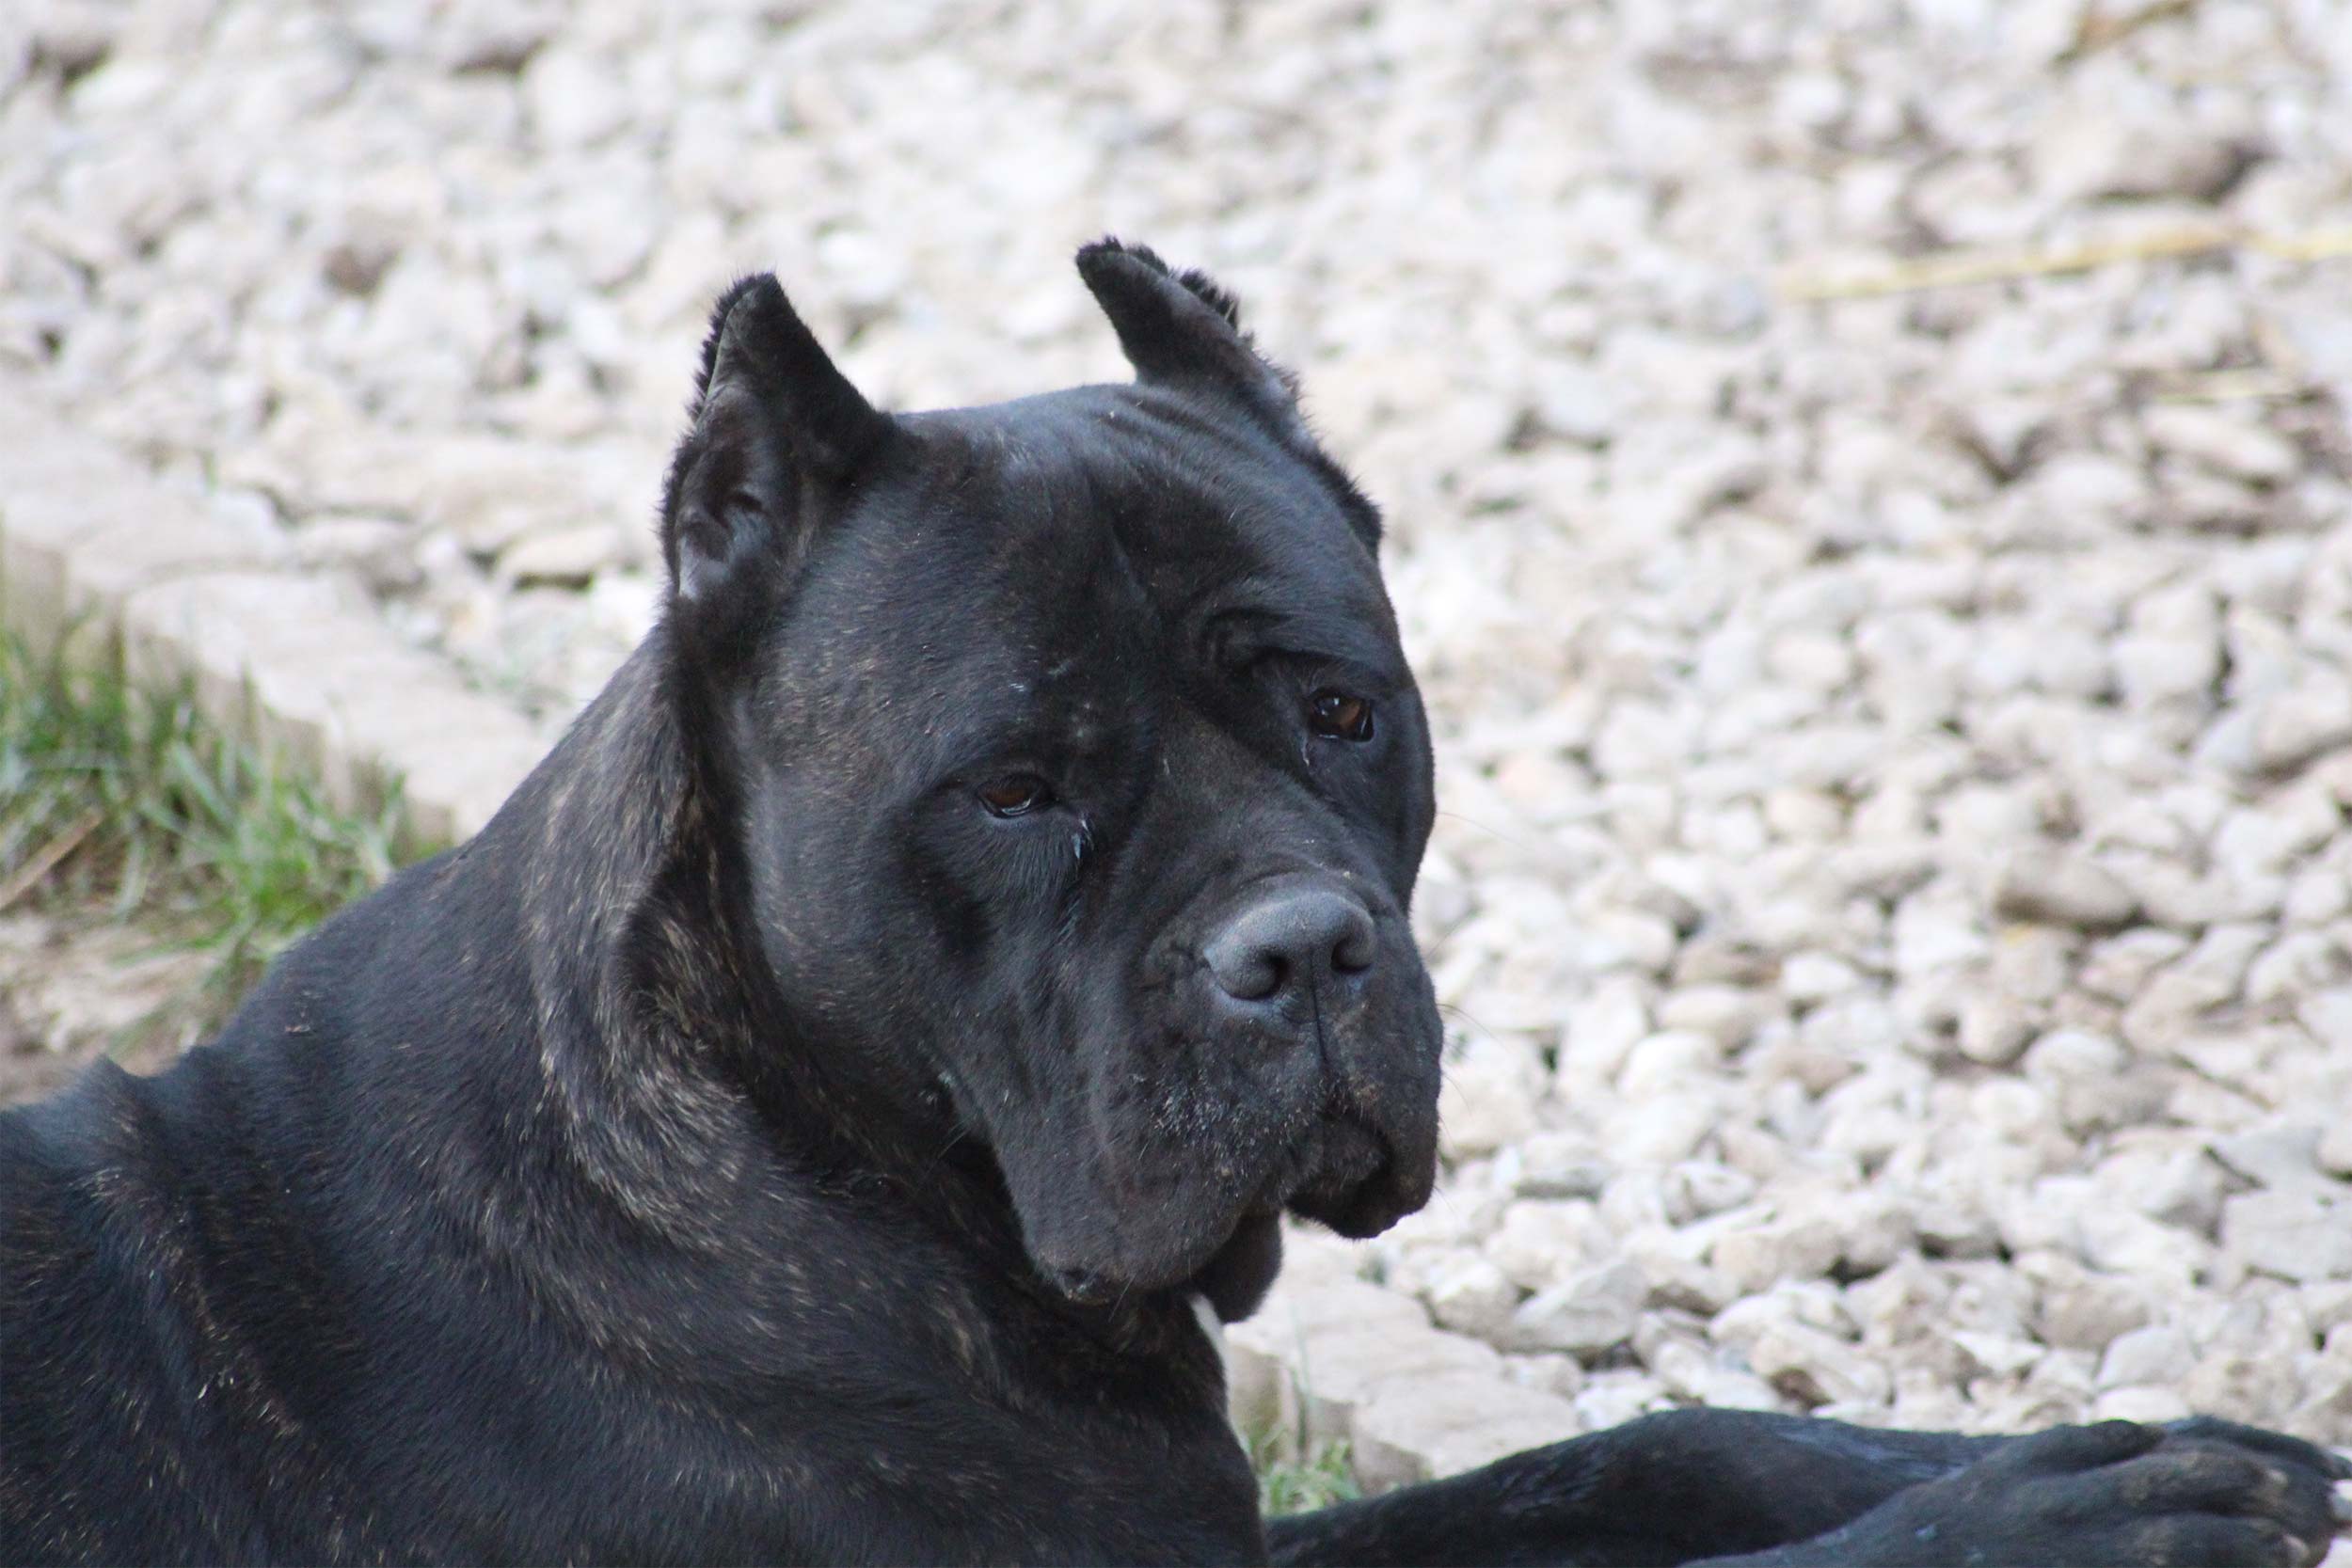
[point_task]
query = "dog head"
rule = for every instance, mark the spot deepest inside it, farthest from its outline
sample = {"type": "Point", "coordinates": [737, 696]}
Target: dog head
{"type": "Point", "coordinates": [1079, 777]}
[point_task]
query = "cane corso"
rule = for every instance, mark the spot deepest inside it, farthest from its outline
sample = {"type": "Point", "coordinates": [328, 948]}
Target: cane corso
{"type": "Point", "coordinates": [806, 1125]}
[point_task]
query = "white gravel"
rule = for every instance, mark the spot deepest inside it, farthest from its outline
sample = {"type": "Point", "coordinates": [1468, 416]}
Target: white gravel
{"type": "Point", "coordinates": [1893, 897]}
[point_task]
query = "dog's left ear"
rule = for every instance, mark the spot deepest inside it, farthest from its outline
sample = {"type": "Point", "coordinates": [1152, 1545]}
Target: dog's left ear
{"type": "Point", "coordinates": [1178, 327]}
{"type": "Point", "coordinates": [778, 435]}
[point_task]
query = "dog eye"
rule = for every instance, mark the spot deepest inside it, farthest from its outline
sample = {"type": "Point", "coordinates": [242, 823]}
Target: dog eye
{"type": "Point", "coordinates": [1016, 795]}
{"type": "Point", "coordinates": [1337, 716]}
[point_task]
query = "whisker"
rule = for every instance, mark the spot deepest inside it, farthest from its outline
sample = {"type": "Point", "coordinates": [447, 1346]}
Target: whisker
{"type": "Point", "coordinates": [1459, 1011]}
{"type": "Point", "coordinates": [1491, 830]}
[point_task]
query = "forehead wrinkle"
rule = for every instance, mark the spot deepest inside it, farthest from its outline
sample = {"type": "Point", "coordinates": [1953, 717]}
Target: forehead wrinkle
{"type": "Point", "coordinates": [1200, 534]}
{"type": "Point", "coordinates": [1208, 530]}
{"type": "Point", "coordinates": [1106, 522]}
{"type": "Point", "coordinates": [1345, 632]}
{"type": "Point", "coordinates": [1178, 482]}
{"type": "Point", "coordinates": [1059, 578]}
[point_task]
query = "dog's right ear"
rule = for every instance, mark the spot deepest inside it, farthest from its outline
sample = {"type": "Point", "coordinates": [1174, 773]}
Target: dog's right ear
{"type": "Point", "coordinates": [778, 433]}
{"type": "Point", "coordinates": [1185, 327]}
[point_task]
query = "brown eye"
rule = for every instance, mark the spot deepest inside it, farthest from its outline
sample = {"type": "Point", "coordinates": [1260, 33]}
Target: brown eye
{"type": "Point", "coordinates": [1016, 795]}
{"type": "Point", "coordinates": [1337, 716]}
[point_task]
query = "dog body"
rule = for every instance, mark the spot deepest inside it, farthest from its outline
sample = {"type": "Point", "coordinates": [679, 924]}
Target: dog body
{"type": "Point", "coordinates": [801, 1126]}
{"type": "Point", "coordinates": [299, 1301]}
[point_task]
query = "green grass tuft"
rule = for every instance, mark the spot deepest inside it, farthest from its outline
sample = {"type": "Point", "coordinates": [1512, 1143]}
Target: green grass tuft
{"type": "Point", "coordinates": [1325, 1474]}
{"type": "Point", "coordinates": [119, 805]}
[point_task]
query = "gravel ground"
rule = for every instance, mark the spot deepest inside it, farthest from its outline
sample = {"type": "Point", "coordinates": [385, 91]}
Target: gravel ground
{"type": "Point", "coordinates": [1894, 894]}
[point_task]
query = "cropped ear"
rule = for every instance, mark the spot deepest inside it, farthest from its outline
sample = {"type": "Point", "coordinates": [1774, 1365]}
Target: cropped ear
{"type": "Point", "coordinates": [777, 434]}
{"type": "Point", "coordinates": [1178, 327]}
{"type": "Point", "coordinates": [1182, 328]}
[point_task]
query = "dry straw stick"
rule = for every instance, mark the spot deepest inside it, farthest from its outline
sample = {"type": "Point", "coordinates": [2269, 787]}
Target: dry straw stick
{"type": "Point", "coordinates": [1957, 268]}
{"type": "Point", "coordinates": [48, 859]}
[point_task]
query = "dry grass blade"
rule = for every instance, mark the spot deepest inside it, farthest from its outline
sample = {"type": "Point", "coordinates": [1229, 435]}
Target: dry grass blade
{"type": "Point", "coordinates": [47, 859]}
{"type": "Point", "coordinates": [1951, 269]}
{"type": "Point", "coordinates": [2100, 28]}
{"type": "Point", "coordinates": [2265, 384]}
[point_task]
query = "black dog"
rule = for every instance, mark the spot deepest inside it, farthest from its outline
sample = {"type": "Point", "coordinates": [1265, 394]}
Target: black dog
{"type": "Point", "coordinates": [798, 1127]}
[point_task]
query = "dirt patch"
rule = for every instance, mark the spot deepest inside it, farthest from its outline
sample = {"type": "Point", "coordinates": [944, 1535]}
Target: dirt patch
{"type": "Point", "coordinates": [73, 990]}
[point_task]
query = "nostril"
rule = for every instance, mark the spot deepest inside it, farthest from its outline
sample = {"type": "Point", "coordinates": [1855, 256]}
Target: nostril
{"type": "Point", "coordinates": [1246, 967]}
{"type": "Point", "coordinates": [1255, 977]}
{"type": "Point", "coordinates": [1355, 950]}
{"type": "Point", "coordinates": [1298, 934]}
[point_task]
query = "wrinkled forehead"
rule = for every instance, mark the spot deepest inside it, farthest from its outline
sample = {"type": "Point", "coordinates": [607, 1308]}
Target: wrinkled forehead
{"type": "Point", "coordinates": [1192, 495]}
{"type": "Point", "coordinates": [1038, 538]}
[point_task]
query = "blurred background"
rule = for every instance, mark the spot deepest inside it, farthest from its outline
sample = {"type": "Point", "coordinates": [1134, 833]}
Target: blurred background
{"type": "Point", "coordinates": [1867, 490]}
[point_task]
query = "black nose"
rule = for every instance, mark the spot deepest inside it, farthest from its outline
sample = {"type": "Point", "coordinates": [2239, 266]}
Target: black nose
{"type": "Point", "coordinates": [1289, 939]}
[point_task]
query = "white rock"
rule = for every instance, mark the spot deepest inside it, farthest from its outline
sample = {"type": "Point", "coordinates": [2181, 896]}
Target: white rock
{"type": "Point", "coordinates": [1813, 660]}
{"type": "Point", "coordinates": [1697, 1188]}
{"type": "Point", "coordinates": [2096, 1081]}
{"type": "Point", "coordinates": [1602, 1028]}
{"type": "Point", "coordinates": [2242, 1386]}
{"type": "Point", "coordinates": [2086, 1311]}
{"type": "Point", "coordinates": [1727, 1014]}
{"type": "Point", "coordinates": [1662, 1131]}
{"type": "Point", "coordinates": [2053, 885]}
{"type": "Point", "coordinates": [1591, 1311]}
{"type": "Point", "coordinates": [1669, 1060]}
{"type": "Point", "coordinates": [624, 605]}
{"type": "Point", "coordinates": [2000, 1354]}
{"type": "Point", "coordinates": [1688, 1369]}
{"type": "Point", "coordinates": [2297, 1235]}
{"type": "Point", "coordinates": [2179, 1184]}
{"type": "Point", "coordinates": [1486, 1101]}
{"type": "Point", "coordinates": [2334, 1153]}
{"type": "Point", "coordinates": [2293, 727]}
{"type": "Point", "coordinates": [1756, 1258]}
{"type": "Point", "coordinates": [1816, 1368]}
{"type": "Point", "coordinates": [1875, 1229]}
{"type": "Point", "coordinates": [1614, 1398]}
{"type": "Point", "coordinates": [2153, 1356]}
{"type": "Point", "coordinates": [1560, 1165]}
{"type": "Point", "coordinates": [2120, 967]}
{"type": "Point", "coordinates": [1994, 1027]}
{"type": "Point", "coordinates": [1471, 1295]}
{"type": "Point", "coordinates": [1411, 1428]}
{"type": "Point", "coordinates": [2120, 1242]}
{"type": "Point", "coordinates": [568, 559]}
{"type": "Point", "coordinates": [1537, 1243]}
{"type": "Point", "coordinates": [2105, 146]}
{"type": "Point", "coordinates": [1817, 977]}
{"type": "Point", "coordinates": [2292, 967]}
{"type": "Point", "coordinates": [2153, 1405]}
{"type": "Point", "coordinates": [2224, 441]}
{"type": "Point", "coordinates": [380, 549]}
{"type": "Point", "coordinates": [574, 99]}
{"type": "Point", "coordinates": [1547, 1372]}
{"type": "Point", "coordinates": [1635, 1198]}
{"type": "Point", "coordinates": [2283, 1156]}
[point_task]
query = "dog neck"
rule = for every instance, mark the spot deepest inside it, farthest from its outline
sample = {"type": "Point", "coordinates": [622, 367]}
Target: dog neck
{"type": "Point", "coordinates": [665, 1055]}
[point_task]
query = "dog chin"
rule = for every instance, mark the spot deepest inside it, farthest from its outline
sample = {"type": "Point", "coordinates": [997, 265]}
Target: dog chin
{"type": "Point", "coordinates": [1345, 1175]}
{"type": "Point", "coordinates": [1234, 1277]}
{"type": "Point", "coordinates": [1238, 1276]}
